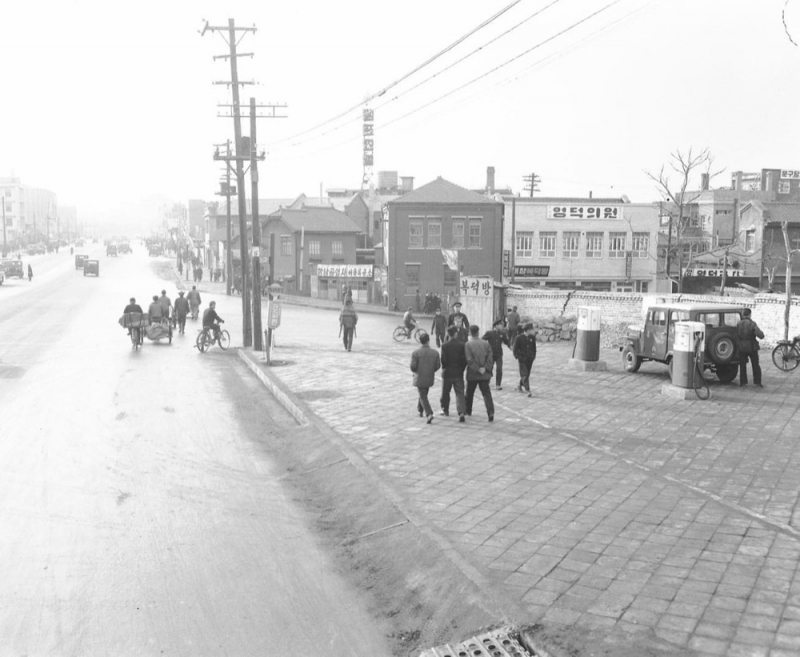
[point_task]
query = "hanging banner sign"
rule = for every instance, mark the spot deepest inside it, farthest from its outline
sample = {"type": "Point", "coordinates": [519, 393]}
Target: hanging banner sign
{"type": "Point", "coordinates": [529, 270]}
{"type": "Point", "coordinates": [345, 271]}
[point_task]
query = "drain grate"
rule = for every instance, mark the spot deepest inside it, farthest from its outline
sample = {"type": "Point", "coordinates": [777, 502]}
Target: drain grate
{"type": "Point", "coordinates": [497, 643]}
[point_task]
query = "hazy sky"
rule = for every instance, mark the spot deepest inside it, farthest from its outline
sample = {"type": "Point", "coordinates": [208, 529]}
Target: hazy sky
{"type": "Point", "coordinates": [107, 103]}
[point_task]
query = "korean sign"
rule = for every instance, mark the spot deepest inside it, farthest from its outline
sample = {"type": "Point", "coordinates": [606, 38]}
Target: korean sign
{"type": "Point", "coordinates": [476, 287]}
{"type": "Point", "coordinates": [788, 173]}
{"type": "Point", "coordinates": [345, 271]}
{"type": "Point", "coordinates": [527, 270]}
{"type": "Point", "coordinates": [584, 212]}
{"type": "Point", "coordinates": [732, 273]}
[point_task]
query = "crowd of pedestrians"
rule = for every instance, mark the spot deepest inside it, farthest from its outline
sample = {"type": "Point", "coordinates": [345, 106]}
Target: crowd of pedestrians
{"type": "Point", "coordinates": [465, 352]}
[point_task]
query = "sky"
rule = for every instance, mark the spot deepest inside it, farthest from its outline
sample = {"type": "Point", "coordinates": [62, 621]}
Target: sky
{"type": "Point", "coordinates": [109, 104]}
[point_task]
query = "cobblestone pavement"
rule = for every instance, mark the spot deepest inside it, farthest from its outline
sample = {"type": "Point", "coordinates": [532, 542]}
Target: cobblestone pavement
{"type": "Point", "coordinates": [597, 503]}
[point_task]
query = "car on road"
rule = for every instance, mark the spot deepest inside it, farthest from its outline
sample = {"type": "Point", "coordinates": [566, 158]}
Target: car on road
{"type": "Point", "coordinates": [655, 339]}
{"type": "Point", "coordinates": [37, 249]}
{"type": "Point", "coordinates": [80, 261]}
{"type": "Point", "coordinates": [13, 268]}
{"type": "Point", "coordinates": [78, 242]}
{"type": "Point", "coordinates": [91, 268]}
{"type": "Point", "coordinates": [111, 250]}
{"type": "Point", "coordinates": [124, 247]}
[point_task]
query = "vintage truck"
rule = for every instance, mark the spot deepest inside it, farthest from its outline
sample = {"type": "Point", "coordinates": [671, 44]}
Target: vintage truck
{"type": "Point", "coordinates": [654, 340]}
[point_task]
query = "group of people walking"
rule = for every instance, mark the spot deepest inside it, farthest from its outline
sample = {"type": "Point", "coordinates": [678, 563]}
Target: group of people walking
{"type": "Point", "coordinates": [466, 351]}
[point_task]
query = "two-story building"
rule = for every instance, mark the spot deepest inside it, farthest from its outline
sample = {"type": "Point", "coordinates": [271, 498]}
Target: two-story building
{"type": "Point", "coordinates": [435, 233]}
{"type": "Point", "coordinates": [763, 264]}
{"type": "Point", "coordinates": [604, 244]}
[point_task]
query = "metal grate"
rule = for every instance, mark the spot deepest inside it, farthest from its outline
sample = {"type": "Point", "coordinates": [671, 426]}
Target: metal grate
{"type": "Point", "coordinates": [497, 643]}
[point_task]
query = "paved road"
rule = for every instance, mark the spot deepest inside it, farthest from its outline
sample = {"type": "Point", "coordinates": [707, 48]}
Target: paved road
{"type": "Point", "coordinates": [598, 506]}
{"type": "Point", "coordinates": [140, 512]}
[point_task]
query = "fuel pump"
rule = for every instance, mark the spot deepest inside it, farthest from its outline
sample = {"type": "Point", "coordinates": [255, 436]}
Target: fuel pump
{"type": "Point", "coordinates": [688, 357]}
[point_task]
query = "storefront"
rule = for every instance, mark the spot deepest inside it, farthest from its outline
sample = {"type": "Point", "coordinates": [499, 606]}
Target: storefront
{"type": "Point", "coordinates": [332, 282]}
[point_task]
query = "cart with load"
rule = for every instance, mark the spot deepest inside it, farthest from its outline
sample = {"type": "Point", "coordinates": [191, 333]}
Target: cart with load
{"type": "Point", "coordinates": [139, 326]}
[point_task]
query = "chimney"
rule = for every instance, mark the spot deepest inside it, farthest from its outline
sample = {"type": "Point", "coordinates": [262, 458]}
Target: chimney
{"type": "Point", "coordinates": [704, 178]}
{"type": "Point", "coordinates": [737, 180]}
{"type": "Point", "coordinates": [590, 193]}
{"type": "Point", "coordinates": [490, 180]}
{"type": "Point", "coordinates": [406, 183]}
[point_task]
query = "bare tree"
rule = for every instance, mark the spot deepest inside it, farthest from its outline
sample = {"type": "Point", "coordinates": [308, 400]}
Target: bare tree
{"type": "Point", "coordinates": [685, 165]}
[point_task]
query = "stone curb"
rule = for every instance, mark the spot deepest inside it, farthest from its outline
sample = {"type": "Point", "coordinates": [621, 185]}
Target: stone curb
{"type": "Point", "coordinates": [284, 397]}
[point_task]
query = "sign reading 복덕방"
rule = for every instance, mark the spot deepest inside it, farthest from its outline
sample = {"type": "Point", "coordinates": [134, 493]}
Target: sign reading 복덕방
{"type": "Point", "coordinates": [476, 287]}
{"type": "Point", "coordinates": [345, 271]}
{"type": "Point", "coordinates": [532, 270]}
{"type": "Point", "coordinates": [584, 212]}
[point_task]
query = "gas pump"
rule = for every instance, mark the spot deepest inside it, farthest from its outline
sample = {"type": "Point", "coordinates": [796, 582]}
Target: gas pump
{"type": "Point", "coordinates": [688, 356]}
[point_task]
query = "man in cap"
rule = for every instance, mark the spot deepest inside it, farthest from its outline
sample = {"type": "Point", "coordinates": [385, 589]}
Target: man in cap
{"type": "Point", "coordinates": [181, 310]}
{"type": "Point", "coordinates": [451, 319]}
{"type": "Point", "coordinates": [496, 338]}
{"type": "Point", "coordinates": [348, 319]}
{"type": "Point", "coordinates": [525, 353]}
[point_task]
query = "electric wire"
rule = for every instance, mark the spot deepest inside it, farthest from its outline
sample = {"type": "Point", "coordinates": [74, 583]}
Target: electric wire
{"type": "Point", "coordinates": [430, 60]}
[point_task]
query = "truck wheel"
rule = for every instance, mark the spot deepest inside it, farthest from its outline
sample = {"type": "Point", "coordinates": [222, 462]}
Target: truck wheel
{"type": "Point", "coordinates": [727, 373]}
{"type": "Point", "coordinates": [721, 348]}
{"type": "Point", "coordinates": [630, 361]}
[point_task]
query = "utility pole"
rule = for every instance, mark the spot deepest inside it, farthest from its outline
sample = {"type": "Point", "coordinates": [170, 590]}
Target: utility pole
{"type": "Point", "coordinates": [227, 191]}
{"type": "Point", "coordinates": [247, 329]}
{"type": "Point", "coordinates": [532, 183]}
{"type": "Point", "coordinates": [5, 243]}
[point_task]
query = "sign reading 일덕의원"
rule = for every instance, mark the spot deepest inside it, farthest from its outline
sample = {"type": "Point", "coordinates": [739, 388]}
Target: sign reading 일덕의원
{"type": "Point", "coordinates": [584, 212]}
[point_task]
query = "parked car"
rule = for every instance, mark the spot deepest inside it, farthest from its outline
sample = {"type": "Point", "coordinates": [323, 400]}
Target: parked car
{"type": "Point", "coordinates": [13, 268]}
{"type": "Point", "coordinates": [37, 249]}
{"type": "Point", "coordinates": [654, 340]}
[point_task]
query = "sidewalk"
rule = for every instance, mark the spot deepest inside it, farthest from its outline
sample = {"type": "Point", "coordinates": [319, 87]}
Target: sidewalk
{"type": "Point", "coordinates": [598, 507]}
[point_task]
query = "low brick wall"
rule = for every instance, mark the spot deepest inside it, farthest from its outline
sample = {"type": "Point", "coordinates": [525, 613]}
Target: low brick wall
{"type": "Point", "coordinates": [553, 309]}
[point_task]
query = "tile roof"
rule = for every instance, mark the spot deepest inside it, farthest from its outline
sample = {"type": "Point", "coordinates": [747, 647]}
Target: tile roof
{"type": "Point", "coordinates": [443, 191]}
{"type": "Point", "coordinates": [778, 212]}
{"type": "Point", "coordinates": [317, 220]}
{"type": "Point", "coordinates": [566, 199]}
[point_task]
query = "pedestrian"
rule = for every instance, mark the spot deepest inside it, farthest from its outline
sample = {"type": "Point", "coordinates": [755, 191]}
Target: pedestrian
{"type": "Point", "coordinates": [512, 320]}
{"type": "Point", "coordinates": [496, 338]}
{"type": "Point", "coordinates": [194, 301]}
{"type": "Point", "coordinates": [156, 311]}
{"type": "Point", "coordinates": [166, 303]}
{"type": "Point", "coordinates": [438, 327]}
{"type": "Point", "coordinates": [395, 307]}
{"type": "Point", "coordinates": [424, 363]}
{"type": "Point", "coordinates": [30, 273]}
{"type": "Point", "coordinates": [348, 319]}
{"type": "Point", "coordinates": [181, 310]}
{"type": "Point", "coordinates": [199, 274]}
{"type": "Point", "coordinates": [417, 306]}
{"type": "Point", "coordinates": [479, 370]}
{"type": "Point", "coordinates": [747, 331]}
{"type": "Point", "coordinates": [525, 353]}
{"type": "Point", "coordinates": [454, 362]}
{"type": "Point", "coordinates": [451, 318]}
{"type": "Point", "coordinates": [462, 334]}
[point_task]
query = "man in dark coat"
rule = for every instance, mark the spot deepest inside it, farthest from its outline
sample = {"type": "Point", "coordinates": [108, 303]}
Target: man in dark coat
{"type": "Point", "coordinates": [454, 362]}
{"type": "Point", "coordinates": [438, 327]}
{"type": "Point", "coordinates": [748, 331]}
{"type": "Point", "coordinates": [348, 319]}
{"type": "Point", "coordinates": [424, 363]}
{"type": "Point", "coordinates": [181, 310]}
{"type": "Point", "coordinates": [496, 338]}
{"type": "Point", "coordinates": [512, 319]}
{"type": "Point", "coordinates": [479, 370]}
{"type": "Point", "coordinates": [451, 318]}
{"type": "Point", "coordinates": [525, 353]}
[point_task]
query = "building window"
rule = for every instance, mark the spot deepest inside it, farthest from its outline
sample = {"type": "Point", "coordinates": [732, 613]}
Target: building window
{"type": "Point", "coordinates": [641, 245]}
{"type": "Point", "coordinates": [784, 187]}
{"type": "Point", "coordinates": [412, 279]}
{"type": "Point", "coordinates": [474, 233]}
{"type": "Point", "coordinates": [337, 248]}
{"type": "Point", "coordinates": [723, 212]}
{"type": "Point", "coordinates": [594, 245]}
{"type": "Point", "coordinates": [415, 234]}
{"type": "Point", "coordinates": [286, 245]}
{"type": "Point", "coordinates": [547, 244]}
{"type": "Point", "coordinates": [616, 245]}
{"type": "Point", "coordinates": [572, 245]}
{"type": "Point", "coordinates": [750, 240]}
{"type": "Point", "coordinates": [458, 233]}
{"type": "Point", "coordinates": [313, 248]}
{"type": "Point", "coordinates": [524, 244]}
{"type": "Point", "coordinates": [434, 233]}
{"type": "Point", "coordinates": [450, 277]}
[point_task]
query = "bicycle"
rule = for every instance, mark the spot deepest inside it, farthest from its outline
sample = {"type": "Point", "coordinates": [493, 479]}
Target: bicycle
{"type": "Point", "coordinates": [136, 337]}
{"type": "Point", "coordinates": [205, 339]}
{"type": "Point", "coordinates": [401, 333]}
{"type": "Point", "coordinates": [786, 355]}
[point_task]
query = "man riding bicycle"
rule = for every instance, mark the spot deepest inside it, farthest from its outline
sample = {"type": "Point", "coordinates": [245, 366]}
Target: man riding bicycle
{"type": "Point", "coordinates": [409, 322]}
{"type": "Point", "coordinates": [132, 307]}
{"type": "Point", "coordinates": [210, 319]}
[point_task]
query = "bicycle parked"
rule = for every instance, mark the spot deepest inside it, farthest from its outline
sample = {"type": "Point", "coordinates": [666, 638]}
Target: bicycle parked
{"type": "Point", "coordinates": [401, 333]}
{"type": "Point", "coordinates": [205, 339]}
{"type": "Point", "coordinates": [786, 355]}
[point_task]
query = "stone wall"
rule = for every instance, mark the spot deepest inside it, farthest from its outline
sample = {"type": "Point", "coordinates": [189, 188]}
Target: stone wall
{"type": "Point", "coordinates": [553, 308]}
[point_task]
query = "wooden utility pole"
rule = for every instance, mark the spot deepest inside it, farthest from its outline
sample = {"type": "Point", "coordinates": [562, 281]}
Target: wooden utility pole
{"type": "Point", "coordinates": [5, 243]}
{"type": "Point", "coordinates": [227, 191]}
{"type": "Point", "coordinates": [231, 29]}
{"type": "Point", "coordinates": [532, 183]}
{"type": "Point", "coordinates": [257, 344]}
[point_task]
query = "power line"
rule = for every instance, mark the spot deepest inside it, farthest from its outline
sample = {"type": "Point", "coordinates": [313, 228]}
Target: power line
{"type": "Point", "coordinates": [407, 75]}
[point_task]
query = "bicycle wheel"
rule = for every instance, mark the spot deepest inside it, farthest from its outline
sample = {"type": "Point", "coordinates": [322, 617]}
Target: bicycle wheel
{"type": "Point", "coordinates": [786, 357]}
{"type": "Point", "coordinates": [135, 337]}
{"type": "Point", "coordinates": [399, 334]}
{"type": "Point", "coordinates": [202, 341]}
{"type": "Point", "coordinates": [224, 339]}
{"type": "Point", "coordinates": [418, 333]}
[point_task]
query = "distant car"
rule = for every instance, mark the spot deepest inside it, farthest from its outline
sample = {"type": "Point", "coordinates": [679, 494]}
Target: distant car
{"type": "Point", "coordinates": [124, 248]}
{"type": "Point", "coordinates": [155, 250]}
{"type": "Point", "coordinates": [13, 268]}
{"type": "Point", "coordinates": [78, 242]}
{"type": "Point", "coordinates": [37, 249]}
{"type": "Point", "coordinates": [111, 250]}
{"type": "Point", "coordinates": [655, 340]}
{"type": "Point", "coordinates": [91, 268]}
{"type": "Point", "coordinates": [80, 261]}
